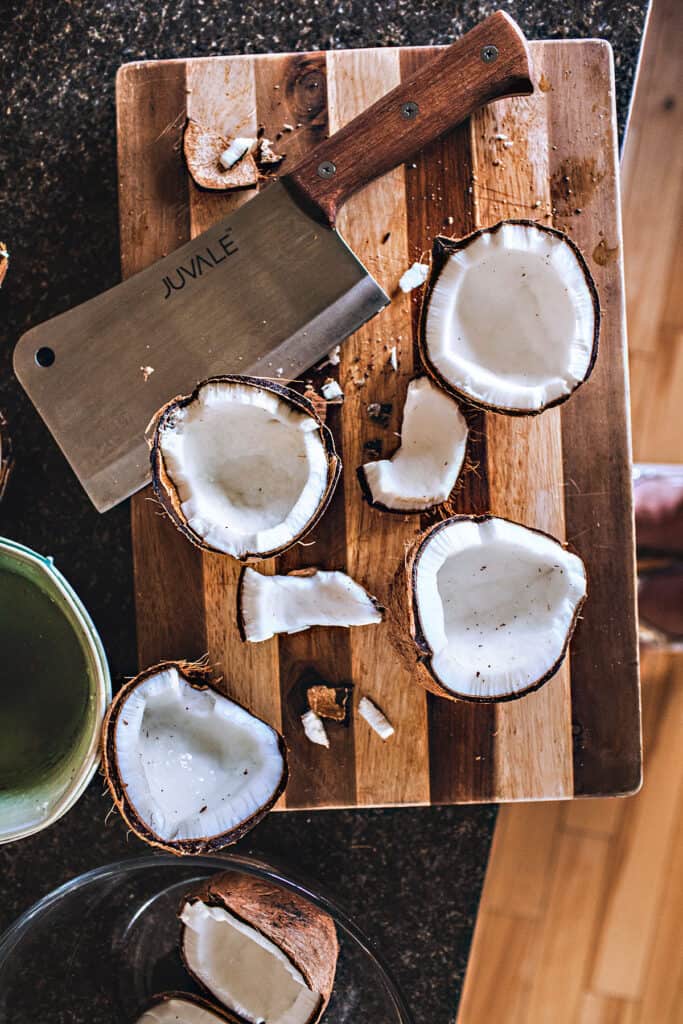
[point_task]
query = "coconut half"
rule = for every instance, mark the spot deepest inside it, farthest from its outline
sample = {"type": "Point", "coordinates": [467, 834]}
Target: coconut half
{"type": "Point", "coordinates": [492, 607]}
{"type": "Point", "coordinates": [267, 605]}
{"type": "Point", "coordinates": [190, 770]}
{"type": "Point", "coordinates": [424, 470]}
{"type": "Point", "coordinates": [242, 466]}
{"type": "Point", "coordinates": [512, 317]}
{"type": "Point", "coordinates": [203, 149]}
{"type": "Point", "coordinates": [184, 1008]}
{"type": "Point", "coordinates": [263, 952]}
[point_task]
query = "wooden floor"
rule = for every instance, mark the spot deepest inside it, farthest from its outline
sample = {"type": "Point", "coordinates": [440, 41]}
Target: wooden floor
{"type": "Point", "coordinates": [581, 920]}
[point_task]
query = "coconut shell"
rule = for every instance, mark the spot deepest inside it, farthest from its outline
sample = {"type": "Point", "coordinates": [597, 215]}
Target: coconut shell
{"type": "Point", "coordinates": [304, 932]}
{"type": "Point", "coordinates": [329, 701]}
{"type": "Point", "coordinates": [443, 249]}
{"type": "Point", "coordinates": [4, 262]}
{"type": "Point", "coordinates": [220, 1013]}
{"type": "Point", "coordinates": [202, 148]}
{"type": "Point", "coordinates": [167, 494]}
{"type": "Point", "coordinates": [406, 621]}
{"type": "Point", "coordinates": [196, 675]}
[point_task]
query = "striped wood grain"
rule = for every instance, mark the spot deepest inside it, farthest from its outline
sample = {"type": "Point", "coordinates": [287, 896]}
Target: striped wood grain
{"type": "Point", "coordinates": [442, 752]}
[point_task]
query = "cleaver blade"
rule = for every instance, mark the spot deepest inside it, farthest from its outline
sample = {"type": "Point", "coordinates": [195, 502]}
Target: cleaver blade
{"type": "Point", "coordinates": [268, 291]}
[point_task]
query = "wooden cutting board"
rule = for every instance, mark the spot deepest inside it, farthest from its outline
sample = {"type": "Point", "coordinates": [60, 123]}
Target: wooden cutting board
{"type": "Point", "coordinates": [552, 157]}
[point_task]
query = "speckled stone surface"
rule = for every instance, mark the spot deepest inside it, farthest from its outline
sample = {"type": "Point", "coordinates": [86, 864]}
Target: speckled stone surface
{"type": "Point", "coordinates": [411, 877]}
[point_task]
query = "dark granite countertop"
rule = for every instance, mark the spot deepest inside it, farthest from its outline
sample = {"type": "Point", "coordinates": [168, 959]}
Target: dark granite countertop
{"type": "Point", "coordinates": [411, 876]}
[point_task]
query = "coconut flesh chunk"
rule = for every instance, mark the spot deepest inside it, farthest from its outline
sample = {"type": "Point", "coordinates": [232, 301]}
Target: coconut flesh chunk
{"type": "Point", "coordinates": [289, 604]}
{"type": "Point", "coordinates": [512, 319]}
{"type": "Point", "coordinates": [246, 467]}
{"type": "Point", "coordinates": [423, 472]}
{"type": "Point", "coordinates": [494, 606]}
{"type": "Point", "coordinates": [243, 969]}
{"type": "Point", "coordinates": [182, 1009]}
{"type": "Point", "coordinates": [195, 768]}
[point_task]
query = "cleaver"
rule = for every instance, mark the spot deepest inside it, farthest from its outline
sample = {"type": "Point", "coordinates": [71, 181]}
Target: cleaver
{"type": "Point", "coordinates": [268, 291]}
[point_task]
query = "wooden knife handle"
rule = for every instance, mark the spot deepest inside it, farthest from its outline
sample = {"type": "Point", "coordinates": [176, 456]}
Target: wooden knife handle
{"type": "Point", "coordinates": [489, 62]}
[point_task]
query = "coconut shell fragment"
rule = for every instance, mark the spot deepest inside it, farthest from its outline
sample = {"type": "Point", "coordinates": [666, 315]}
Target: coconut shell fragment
{"type": "Point", "coordinates": [6, 455]}
{"type": "Point", "coordinates": [329, 701]}
{"type": "Point", "coordinates": [190, 770]}
{"type": "Point", "coordinates": [203, 148]}
{"type": "Point", "coordinates": [235, 921]}
{"type": "Point", "coordinates": [4, 262]}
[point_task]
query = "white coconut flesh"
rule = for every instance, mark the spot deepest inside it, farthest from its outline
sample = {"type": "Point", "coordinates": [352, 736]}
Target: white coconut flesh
{"type": "Point", "coordinates": [243, 969]}
{"type": "Point", "coordinates": [194, 763]}
{"type": "Point", "coordinates": [250, 469]}
{"type": "Point", "coordinates": [496, 603]}
{"type": "Point", "coordinates": [511, 319]}
{"type": "Point", "coordinates": [179, 1011]}
{"type": "Point", "coordinates": [423, 471]}
{"type": "Point", "coordinates": [290, 604]}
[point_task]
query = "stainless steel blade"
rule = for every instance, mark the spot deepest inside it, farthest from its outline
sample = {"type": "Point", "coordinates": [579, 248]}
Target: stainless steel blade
{"type": "Point", "coordinates": [267, 291]}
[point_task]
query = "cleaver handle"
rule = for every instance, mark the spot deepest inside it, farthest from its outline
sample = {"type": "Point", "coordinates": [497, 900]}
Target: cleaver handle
{"type": "Point", "coordinates": [488, 63]}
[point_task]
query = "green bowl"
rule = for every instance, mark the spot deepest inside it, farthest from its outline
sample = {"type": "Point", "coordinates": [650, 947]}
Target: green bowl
{"type": "Point", "coordinates": [28, 808]}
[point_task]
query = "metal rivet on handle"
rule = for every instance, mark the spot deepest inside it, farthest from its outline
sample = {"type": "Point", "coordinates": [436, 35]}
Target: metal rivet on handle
{"type": "Point", "coordinates": [327, 169]}
{"type": "Point", "coordinates": [44, 356]}
{"type": "Point", "coordinates": [409, 111]}
{"type": "Point", "coordinates": [489, 54]}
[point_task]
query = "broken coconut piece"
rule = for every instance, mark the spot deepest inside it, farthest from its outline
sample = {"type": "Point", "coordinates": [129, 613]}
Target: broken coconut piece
{"type": "Point", "coordinates": [185, 1008]}
{"type": "Point", "coordinates": [267, 605]}
{"type": "Point", "coordinates": [414, 277]}
{"type": "Point", "coordinates": [243, 466]}
{"type": "Point", "coordinates": [237, 149]}
{"type": "Point", "coordinates": [423, 471]}
{"type": "Point", "coordinates": [375, 718]}
{"type": "Point", "coordinates": [190, 770]}
{"type": "Point", "coordinates": [204, 149]}
{"type": "Point", "coordinates": [329, 701]}
{"type": "Point", "coordinates": [263, 952]}
{"type": "Point", "coordinates": [314, 728]}
{"type": "Point", "coordinates": [333, 357]}
{"type": "Point", "coordinates": [331, 391]}
{"type": "Point", "coordinates": [511, 319]}
{"type": "Point", "coordinates": [492, 607]}
{"type": "Point", "coordinates": [266, 155]}
{"type": "Point", "coordinates": [393, 359]}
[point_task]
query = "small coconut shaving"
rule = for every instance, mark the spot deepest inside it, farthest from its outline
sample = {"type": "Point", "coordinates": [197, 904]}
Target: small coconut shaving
{"type": "Point", "coordinates": [333, 357]}
{"type": "Point", "coordinates": [329, 701]}
{"type": "Point", "coordinates": [237, 149]}
{"type": "Point", "coordinates": [375, 718]}
{"type": "Point", "coordinates": [147, 372]}
{"type": "Point", "coordinates": [331, 391]}
{"type": "Point", "coordinates": [414, 277]}
{"type": "Point", "coordinates": [315, 729]}
{"type": "Point", "coordinates": [267, 157]}
{"type": "Point", "coordinates": [393, 359]}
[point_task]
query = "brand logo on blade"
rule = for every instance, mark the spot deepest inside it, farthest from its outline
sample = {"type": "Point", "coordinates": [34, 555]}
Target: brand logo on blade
{"type": "Point", "coordinates": [200, 262]}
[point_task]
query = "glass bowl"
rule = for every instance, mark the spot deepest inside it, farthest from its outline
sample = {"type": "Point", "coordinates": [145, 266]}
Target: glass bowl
{"type": "Point", "coordinates": [99, 948]}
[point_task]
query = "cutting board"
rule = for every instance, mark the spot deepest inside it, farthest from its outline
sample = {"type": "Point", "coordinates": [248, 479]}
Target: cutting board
{"type": "Point", "coordinates": [552, 157]}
